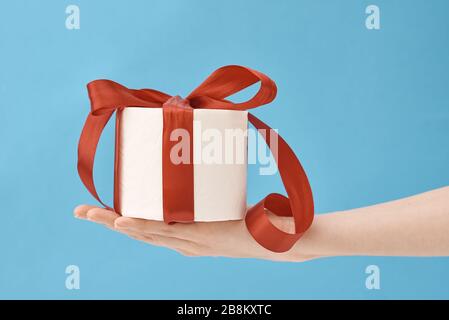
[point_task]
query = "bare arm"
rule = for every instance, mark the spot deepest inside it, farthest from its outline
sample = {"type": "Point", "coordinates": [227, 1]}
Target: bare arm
{"type": "Point", "coordinates": [414, 226]}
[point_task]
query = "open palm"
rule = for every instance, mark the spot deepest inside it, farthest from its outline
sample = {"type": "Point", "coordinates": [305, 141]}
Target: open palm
{"type": "Point", "coordinates": [227, 238]}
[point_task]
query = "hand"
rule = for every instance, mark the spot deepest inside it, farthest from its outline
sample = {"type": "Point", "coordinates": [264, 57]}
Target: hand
{"type": "Point", "coordinates": [413, 226]}
{"type": "Point", "coordinates": [227, 238]}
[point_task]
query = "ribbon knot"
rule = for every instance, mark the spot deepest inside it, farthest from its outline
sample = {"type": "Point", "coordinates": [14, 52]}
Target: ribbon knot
{"type": "Point", "coordinates": [178, 102]}
{"type": "Point", "coordinates": [107, 96]}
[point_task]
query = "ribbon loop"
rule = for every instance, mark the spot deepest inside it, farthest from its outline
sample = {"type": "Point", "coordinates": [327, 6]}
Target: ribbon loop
{"type": "Point", "coordinates": [229, 80]}
{"type": "Point", "coordinates": [107, 96]}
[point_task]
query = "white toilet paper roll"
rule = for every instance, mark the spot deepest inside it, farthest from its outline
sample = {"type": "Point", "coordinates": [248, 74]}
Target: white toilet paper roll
{"type": "Point", "coordinates": [219, 179]}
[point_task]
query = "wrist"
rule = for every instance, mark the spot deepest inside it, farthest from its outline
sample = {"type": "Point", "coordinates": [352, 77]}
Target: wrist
{"type": "Point", "coordinates": [324, 238]}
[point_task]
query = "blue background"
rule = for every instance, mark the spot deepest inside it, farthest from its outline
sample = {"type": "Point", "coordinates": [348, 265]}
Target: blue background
{"type": "Point", "coordinates": [366, 110]}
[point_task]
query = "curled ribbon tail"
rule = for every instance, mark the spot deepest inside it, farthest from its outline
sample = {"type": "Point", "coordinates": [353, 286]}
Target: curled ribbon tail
{"type": "Point", "coordinates": [298, 205]}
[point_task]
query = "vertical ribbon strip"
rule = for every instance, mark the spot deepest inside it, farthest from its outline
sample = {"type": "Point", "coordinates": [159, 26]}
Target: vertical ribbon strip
{"type": "Point", "coordinates": [177, 178]}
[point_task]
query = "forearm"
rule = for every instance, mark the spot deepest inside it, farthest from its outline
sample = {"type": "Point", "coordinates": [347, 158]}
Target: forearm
{"type": "Point", "coordinates": [414, 226]}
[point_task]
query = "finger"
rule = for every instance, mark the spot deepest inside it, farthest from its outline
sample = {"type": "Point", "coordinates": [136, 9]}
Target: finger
{"type": "Point", "coordinates": [102, 216]}
{"type": "Point", "coordinates": [178, 230]}
{"type": "Point", "coordinates": [135, 235]}
{"type": "Point", "coordinates": [169, 242]}
{"type": "Point", "coordinates": [81, 211]}
{"type": "Point", "coordinates": [162, 241]}
{"type": "Point", "coordinates": [187, 253]}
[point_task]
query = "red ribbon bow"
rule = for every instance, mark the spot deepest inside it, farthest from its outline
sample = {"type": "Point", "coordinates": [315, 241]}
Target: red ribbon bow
{"type": "Point", "coordinates": [107, 96]}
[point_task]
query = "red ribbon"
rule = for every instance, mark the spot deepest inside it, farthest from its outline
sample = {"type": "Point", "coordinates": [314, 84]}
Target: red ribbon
{"type": "Point", "coordinates": [107, 96]}
{"type": "Point", "coordinates": [177, 179]}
